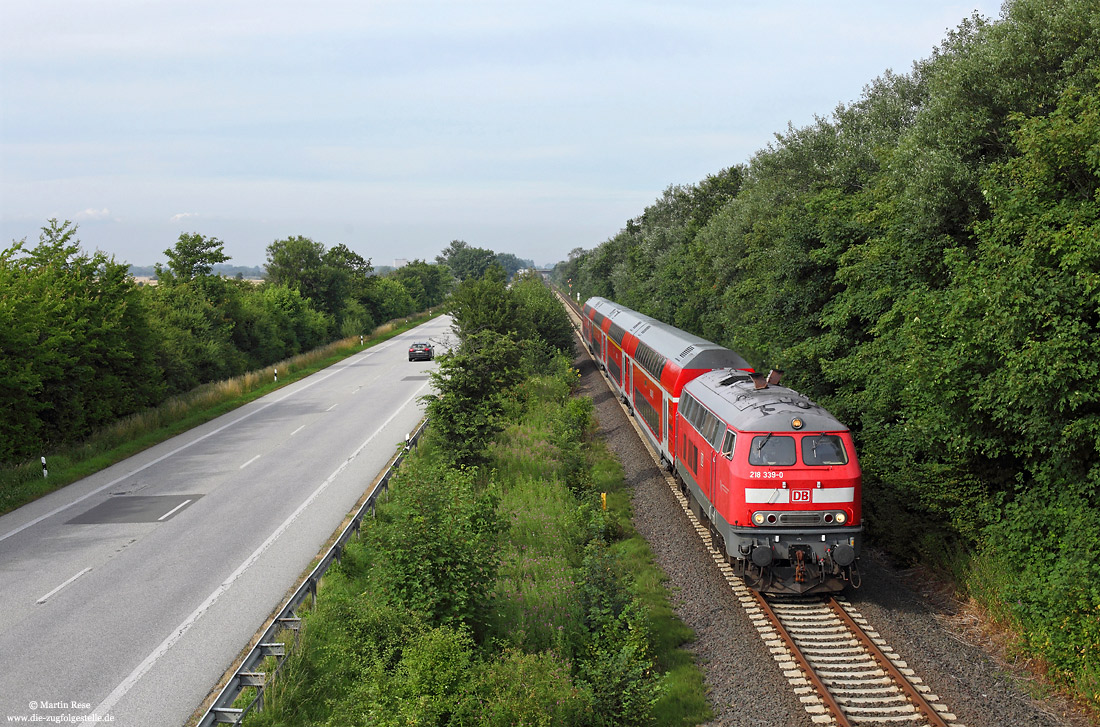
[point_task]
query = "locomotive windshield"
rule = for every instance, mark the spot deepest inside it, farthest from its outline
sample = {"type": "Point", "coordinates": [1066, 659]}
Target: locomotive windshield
{"type": "Point", "coordinates": [772, 451]}
{"type": "Point", "coordinates": [823, 449]}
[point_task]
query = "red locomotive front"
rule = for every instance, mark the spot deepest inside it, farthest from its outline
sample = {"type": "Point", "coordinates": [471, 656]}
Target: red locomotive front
{"type": "Point", "coordinates": [776, 478]}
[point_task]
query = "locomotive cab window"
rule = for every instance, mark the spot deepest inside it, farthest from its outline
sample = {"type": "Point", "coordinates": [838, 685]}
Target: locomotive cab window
{"type": "Point", "coordinates": [769, 450]}
{"type": "Point", "coordinates": [823, 449]}
{"type": "Point", "coordinates": [727, 445]}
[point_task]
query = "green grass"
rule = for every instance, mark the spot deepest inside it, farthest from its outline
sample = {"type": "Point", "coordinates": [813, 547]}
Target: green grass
{"type": "Point", "coordinates": [684, 700]}
{"type": "Point", "coordinates": [539, 505]}
{"type": "Point", "coordinates": [523, 670]}
{"type": "Point", "coordinates": [23, 483]}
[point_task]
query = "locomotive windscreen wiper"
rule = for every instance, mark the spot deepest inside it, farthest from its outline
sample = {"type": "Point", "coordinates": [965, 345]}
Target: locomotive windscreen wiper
{"type": "Point", "coordinates": [760, 446]}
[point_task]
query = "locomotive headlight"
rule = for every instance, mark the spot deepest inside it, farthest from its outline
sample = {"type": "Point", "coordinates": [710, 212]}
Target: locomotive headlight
{"type": "Point", "coordinates": [841, 518]}
{"type": "Point", "coordinates": [758, 518]}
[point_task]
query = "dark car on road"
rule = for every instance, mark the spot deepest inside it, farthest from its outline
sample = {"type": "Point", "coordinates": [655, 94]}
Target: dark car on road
{"type": "Point", "coordinates": [421, 352]}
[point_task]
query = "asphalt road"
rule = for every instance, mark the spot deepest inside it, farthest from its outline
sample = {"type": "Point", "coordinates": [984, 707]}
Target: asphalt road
{"type": "Point", "coordinates": [129, 593]}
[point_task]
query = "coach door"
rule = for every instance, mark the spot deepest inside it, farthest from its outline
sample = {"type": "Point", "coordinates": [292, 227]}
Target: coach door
{"type": "Point", "coordinates": [664, 423]}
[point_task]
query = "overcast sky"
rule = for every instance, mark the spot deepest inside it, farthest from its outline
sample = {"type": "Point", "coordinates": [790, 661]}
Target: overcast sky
{"type": "Point", "coordinates": [395, 127]}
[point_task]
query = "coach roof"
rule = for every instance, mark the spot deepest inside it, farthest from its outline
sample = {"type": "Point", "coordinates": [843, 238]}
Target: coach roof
{"type": "Point", "coordinates": [686, 350]}
{"type": "Point", "coordinates": [733, 397]}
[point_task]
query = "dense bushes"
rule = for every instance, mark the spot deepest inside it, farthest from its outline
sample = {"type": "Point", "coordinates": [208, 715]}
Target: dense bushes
{"type": "Point", "coordinates": [493, 595]}
{"type": "Point", "coordinates": [436, 546]}
{"type": "Point", "coordinates": [926, 262]}
{"type": "Point", "coordinates": [74, 352]}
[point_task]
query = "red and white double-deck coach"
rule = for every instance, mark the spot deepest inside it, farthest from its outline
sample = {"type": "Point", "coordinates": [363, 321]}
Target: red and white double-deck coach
{"type": "Point", "coordinates": [773, 474]}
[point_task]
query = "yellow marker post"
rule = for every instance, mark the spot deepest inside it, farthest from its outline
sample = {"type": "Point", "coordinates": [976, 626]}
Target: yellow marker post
{"type": "Point", "coordinates": [603, 499]}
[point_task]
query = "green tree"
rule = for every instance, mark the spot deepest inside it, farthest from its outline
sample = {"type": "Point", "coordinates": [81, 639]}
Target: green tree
{"type": "Point", "coordinates": [351, 273]}
{"type": "Point", "coordinates": [193, 337]}
{"type": "Point", "coordinates": [512, 264]}
{"type": "Point", "coordinates": [472, 386]}
{"type": "Point", "coordinates": [194, 256]}
{"type": "Point", "coordinates": [547, 320]}
{"type": "Point", "coordinates": [464, 261]}
{"type": "Point", "coordinates": [299, 262]}
{"type": "Point", "coordinates": [390, 299]}
{"type": "Point", "coordinates": [75, 354]}
{"type": "Point", "coordinates": [484, 304]}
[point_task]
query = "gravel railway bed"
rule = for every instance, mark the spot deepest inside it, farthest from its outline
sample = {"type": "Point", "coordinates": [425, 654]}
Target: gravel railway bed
{"type": "Point", "coordinates": [746, 685]}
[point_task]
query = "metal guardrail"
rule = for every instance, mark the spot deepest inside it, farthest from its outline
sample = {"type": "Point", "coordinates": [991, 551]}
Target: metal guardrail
{"type": "Point", "coordinates": [248, 674]}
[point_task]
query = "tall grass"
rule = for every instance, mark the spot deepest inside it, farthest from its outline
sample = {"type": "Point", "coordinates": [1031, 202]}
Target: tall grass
{"type": "Point", "coordinates": [547, 642]}
{"type": "Point", "coordinates": [536, 599]}
{"type": "Point", "coordinates": [19, 484]}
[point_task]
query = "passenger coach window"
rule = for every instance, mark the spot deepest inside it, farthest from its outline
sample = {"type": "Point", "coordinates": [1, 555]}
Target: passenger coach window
{"type": "Point", "coordinates": [727, 445]}
{"type": "Point", "coordinates": [823, 449]}
{"type": "Point", "coordinates": [769, 450]}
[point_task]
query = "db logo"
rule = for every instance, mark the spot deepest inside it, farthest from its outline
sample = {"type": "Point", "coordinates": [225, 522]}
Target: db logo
{"type": "Point", "coordinates": [800, 495]}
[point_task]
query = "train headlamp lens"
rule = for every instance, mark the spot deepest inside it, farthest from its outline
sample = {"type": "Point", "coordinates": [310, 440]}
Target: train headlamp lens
{"type": "Point", "coordinates": [796, 423]}
{"type": "Point", "coordinates": [758, 518]}
{"type": "Point", "coordinates": [841, 518]}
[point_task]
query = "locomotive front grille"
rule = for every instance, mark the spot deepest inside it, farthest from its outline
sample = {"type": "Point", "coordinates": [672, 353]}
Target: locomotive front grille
{"type": "Point", "coordinates": [800, 518]}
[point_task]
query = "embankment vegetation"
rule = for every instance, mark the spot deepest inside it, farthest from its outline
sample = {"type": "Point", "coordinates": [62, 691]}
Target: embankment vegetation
{"type": "Point", "coordinates": [925, 261]}
{"type": "Point", "coordinates": [493, 588]}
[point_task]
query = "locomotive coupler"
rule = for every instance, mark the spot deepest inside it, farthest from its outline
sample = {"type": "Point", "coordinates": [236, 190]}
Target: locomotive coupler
{"type": "Point", "coordinates": [799, 566]}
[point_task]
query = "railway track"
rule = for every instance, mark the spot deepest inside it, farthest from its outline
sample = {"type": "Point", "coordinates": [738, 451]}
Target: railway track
{"type": "Point", "coordinates": [827, 645]}
{"type": "Point", "coordinates": [841, 669]}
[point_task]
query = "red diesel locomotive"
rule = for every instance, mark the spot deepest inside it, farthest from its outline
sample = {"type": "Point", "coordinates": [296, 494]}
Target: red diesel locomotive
{"type": "Point", "coordinates": [772, 474]}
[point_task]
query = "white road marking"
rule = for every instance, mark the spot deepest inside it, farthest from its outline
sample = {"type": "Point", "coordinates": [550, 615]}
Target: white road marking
{"type": "Point", "coordinates": [177, 633]}
{"type": "Point", "coordinates": [171, 512]}
{"type": "Point", "coordinates": [44, 598]}
{"type": "Point", "coordinates": [163, 457]}
{"type": "Point", "coordinates": [298, 430]}
{"type": "Point", "coordinates": [249, 462]}
{"type": "Point", "coordinates": [333, 406]}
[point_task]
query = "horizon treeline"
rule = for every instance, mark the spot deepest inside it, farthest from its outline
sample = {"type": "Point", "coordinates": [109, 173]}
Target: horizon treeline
{"type": "Point", "coordinates": [925, 262]}
{"type": "Point", "coordinates": [83, 345]}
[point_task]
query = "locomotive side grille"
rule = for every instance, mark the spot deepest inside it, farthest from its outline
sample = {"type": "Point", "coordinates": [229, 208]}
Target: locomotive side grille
{"type": "Point", "coordinates": [800, 518]}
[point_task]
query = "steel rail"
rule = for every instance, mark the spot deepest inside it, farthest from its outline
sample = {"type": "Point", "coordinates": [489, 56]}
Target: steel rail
{"type": "Point", "coordinates": [803, 664]}
{"type": "Point", "coordinates": [915, 697]}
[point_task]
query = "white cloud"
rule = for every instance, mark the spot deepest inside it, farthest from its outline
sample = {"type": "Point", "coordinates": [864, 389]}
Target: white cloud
{"type": "Point", "coordinates": [182, 216]}
{"type": "Point", "coordinates": [93, 214]}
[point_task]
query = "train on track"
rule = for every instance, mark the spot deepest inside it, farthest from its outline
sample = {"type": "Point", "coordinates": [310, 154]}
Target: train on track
{"type": "Point", "coordinates": [772, 474]}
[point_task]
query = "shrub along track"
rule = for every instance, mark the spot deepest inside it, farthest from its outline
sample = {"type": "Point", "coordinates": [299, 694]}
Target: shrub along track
{"type": "Point", "coordinates": [747, 686]}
